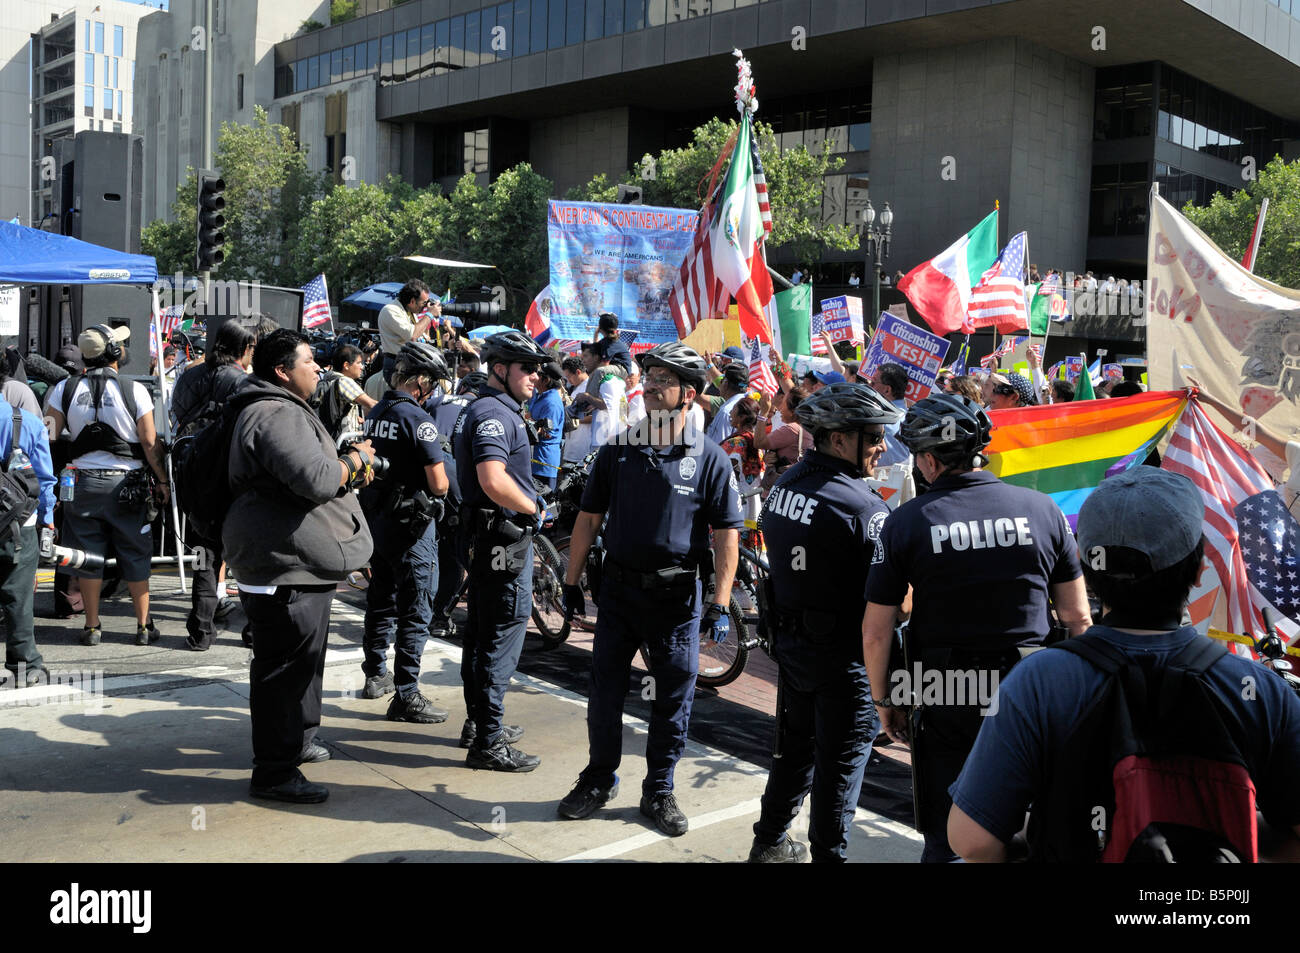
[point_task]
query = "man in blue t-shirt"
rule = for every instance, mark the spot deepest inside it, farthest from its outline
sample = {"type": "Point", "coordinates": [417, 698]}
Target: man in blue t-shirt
{"type": "Point", "coordinates": [546, 410]}
{"type": "Point", "coordinates": [1140, 534]}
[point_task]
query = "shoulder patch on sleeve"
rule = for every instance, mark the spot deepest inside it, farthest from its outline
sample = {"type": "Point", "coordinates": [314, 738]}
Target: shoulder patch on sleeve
{"type": "Point", "coordinates": [426, 432]}
{"type": "Point", "coordinates": [874, 525]}
{"type": "Point", "coordinates": [490, 428]}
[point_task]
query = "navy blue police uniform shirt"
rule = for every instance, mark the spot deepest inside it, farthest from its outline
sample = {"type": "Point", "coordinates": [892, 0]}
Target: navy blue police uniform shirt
{"type": "Point", "coordinates": [491, 428]}
{"type": "Point", "coordinates": [1039, 702]}
{"type": "Point", "coordinates": [407, 437]}
{"type": "Point", "coordinates": [979, 555]}
{"type": "Point", "coordinates": [821, 523]}
{"type": "Point", "coordinates": [444, 409]}
{"type": "Point", "coordinates": [661, 504]}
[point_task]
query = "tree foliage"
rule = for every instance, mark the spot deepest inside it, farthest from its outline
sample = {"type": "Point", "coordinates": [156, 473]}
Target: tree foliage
{"type": "Point", "coordinates": [1230, 221]}
{"type": "Point", "coordinates": [677, 179]}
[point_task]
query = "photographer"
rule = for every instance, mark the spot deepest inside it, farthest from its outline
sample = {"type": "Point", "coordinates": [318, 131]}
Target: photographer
{"type": "Point", "coordinates": [292, 534]}
{"type": "Point", "coordinates": [401, 508]}
{"type": "Point", "coordinates": [398, 323]}
{"type": "Point", "coordinates": [113, 438]}
{"type": "Point", "coordinates": [27, 496]}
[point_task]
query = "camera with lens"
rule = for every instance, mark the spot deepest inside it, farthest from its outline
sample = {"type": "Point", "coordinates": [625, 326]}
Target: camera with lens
{"type": "Point", "coordinates": [377, 463]}
{"type": "Point", "coordinates": [480, 311]}
{"type": "Point", "coordinates": [64, 558]}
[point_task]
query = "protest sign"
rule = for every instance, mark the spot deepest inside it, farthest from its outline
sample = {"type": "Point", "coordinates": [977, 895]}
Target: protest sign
{"type": "Point", "coordinates": [618, 258]}
{"type": "Point", "coordinates": [919, 352]}
{"type": "Point", "coordinates": [1073, 367]}
{"type": "Point", "coordinates": [842, 317]}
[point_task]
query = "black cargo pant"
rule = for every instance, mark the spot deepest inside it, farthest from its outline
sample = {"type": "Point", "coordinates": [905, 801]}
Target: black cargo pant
{"type": "Point", "coordinates": [206, 595]}
{"type": "Point", "coordinates": [290, 628]}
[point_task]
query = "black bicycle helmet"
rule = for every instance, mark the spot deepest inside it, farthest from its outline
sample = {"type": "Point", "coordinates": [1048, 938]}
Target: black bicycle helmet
{"type": "Point", "coordinates": [952, 427]}
{"type": "Point", "coordinates": [678, 358]}
{"type": "Point", "coordinates": [471, 382]}
{"type": "Point", "coordinates": [846, 407]}
{"type": "Point", "coordinates": [510, 347]}
{"type": "Point", "coordinates": [421, 358]}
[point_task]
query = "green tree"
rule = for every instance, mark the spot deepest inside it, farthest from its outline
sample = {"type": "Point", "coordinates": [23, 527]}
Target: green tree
{"type": "Point", "coordinates": [268, 192]}
{"type": "Point", "coordinates": [1230, 221]}
{"type": "Point", "coordinates": [342, 11]}
{"type": "Point", "coordinates": [348, 234]}
{"type": "Point", "coordinates": [678, 177]}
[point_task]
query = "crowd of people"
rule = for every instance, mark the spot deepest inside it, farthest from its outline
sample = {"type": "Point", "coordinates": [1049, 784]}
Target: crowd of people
{"type": "Point", "coordinates": [419, 470]}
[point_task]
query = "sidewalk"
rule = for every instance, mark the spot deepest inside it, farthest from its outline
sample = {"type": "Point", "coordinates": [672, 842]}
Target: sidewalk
{"type": "Point", "coordinates": [155, 767]}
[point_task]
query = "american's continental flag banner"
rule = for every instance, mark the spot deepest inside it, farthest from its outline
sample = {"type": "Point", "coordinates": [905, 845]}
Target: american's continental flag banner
{"type": "Point", "coordinates": [1065, 450]}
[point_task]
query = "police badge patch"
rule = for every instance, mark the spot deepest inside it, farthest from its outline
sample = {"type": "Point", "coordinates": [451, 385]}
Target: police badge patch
{"type": "Point", "coordinates": [490, 428]}
{"type": "Point", "coordinates": [688, 466]}
{"type": "Point", "coordinates": [426, 432]}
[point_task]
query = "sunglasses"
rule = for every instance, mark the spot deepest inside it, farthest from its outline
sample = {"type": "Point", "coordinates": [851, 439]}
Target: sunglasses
{"type": "Point", "coordinates": [873, 438]}
{"type": "Point", "coordinates": [661, 381]}
{"type": "Point", "coordinates": [1006, 390]}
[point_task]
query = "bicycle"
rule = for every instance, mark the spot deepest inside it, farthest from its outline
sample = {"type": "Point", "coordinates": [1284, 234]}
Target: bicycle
{"type": "Point", "coordinates": [721, 663]}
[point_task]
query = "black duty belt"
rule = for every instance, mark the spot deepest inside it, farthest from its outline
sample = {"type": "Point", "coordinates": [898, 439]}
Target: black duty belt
{"type": "Point", "coordinates": [669, 578]}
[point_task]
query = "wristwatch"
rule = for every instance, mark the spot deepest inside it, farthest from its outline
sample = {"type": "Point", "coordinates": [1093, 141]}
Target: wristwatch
{"type": "Point", "coordinates": [883, 703]}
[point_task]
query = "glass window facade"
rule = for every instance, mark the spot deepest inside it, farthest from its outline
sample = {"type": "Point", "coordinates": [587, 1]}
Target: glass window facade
{"type": "Point", "coordinates": [117, 40]}
{"type": "Point", "coordinates": [1198, 116]}
{"type": "Point", "coordinates": [99, 37]}
{"type": "Point", "coordinates": [1119, 199]}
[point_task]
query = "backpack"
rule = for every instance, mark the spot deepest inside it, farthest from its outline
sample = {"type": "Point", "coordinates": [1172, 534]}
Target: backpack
{"type": "Point", "coordinates": [1153, 770]}
{"type": "Point", "coordinates": [98, 435]}
{"type": "Point", "coordinates": [20, 488]}
{"type": "Point", "coordinates": [201, 467]}
{"type": "Point", "coordinates": [330, 404]}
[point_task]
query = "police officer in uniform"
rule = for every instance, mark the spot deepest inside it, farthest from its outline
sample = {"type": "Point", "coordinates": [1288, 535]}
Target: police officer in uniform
{"type": "Point", "coordinates": [401, 508]}
{"type": "Point", "coordinates": [660, 489]}
{"type": "Point", "coordinates": [499, 514]}
{"type": "Point", "coordinates": [983, 559]}
{"type": "Point", "coordinates": [821, 522]}
{"type": "Point", "coordinates": [445, 408]}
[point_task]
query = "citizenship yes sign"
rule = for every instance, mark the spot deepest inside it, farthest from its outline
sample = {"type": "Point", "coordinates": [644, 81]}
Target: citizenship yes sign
{"type": "Point", "coordinates": [842, 317]}
{"type": "Point", "coordinates": [919, 352]}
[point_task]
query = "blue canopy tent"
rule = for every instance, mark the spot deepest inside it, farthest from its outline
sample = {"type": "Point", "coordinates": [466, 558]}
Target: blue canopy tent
{"type": "Point", "coordinates": [29, 256]}
{"type": "Point", "coordinates": [488, 330]}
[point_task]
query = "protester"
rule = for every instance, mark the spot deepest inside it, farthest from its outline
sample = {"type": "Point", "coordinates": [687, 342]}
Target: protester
{"type": "Point", "coordinates": [115, 451]}
{"type": "Point", "coordinates": [1011, 390]}
{"type": "Point", "coordinates": [27, 503]}
{"type": "Point", "coordinates": [745, 456]}
{"type": "Point", "coordinates": [292, 534]}
{"type": "Point", "coordinates": [578, 442]}
{"type": "Point", "coordinates": [732, 382]}
{"type": "Point", "coordinates": [966, 386]}
{"type": "Point", "coordinates": [546, 410]}
{"type": "Point", "coordinates": [635, 395]}
{"type": "Point", "coordinates": [610, 346]}
{"type": "Point", "coordinates": [1141, 533]}
{"type": "Point", "coordinates": [1062, 392]}
{"type": "Point", "coordinates": [890, 381]}
{"type": "Point", "coordinates": [342, 400]}
{"type": "Point", "coordinates": [823, 508]}
{"type": "Point", "coordinates": [199, 400]}
{"type": "Point", "coordinates": [973, 606]}
{"type": "Point", "coordinates": [605, 396]}
{"type": "Point", "coordinates": [784, 444]}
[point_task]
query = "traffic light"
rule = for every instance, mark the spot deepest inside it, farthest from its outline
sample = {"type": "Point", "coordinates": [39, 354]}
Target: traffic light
{"type": "Point", "coordinates": [211, 221]}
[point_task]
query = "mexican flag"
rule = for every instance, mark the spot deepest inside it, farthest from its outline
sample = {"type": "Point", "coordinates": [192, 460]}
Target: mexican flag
{"type": "Point", "coordinates": [1043, 308]}
{"type": "Point", "coordinates": [736, 239]}
{"type": "Point", "coordinates": [790, 314]}
{"type": "Point", "coordinates": [940, 288]}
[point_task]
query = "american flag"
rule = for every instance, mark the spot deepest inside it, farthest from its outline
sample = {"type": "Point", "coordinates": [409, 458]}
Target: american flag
{"type": "Point", "coordinates": [1037, 351]}
{"type": "Point", "coordinates": [627, 337]}
{"type": "Point", "coordinates": [1008, 345]}
{"type": "Point", "coordinates": [316, 303]}
{"type": "Point", "coordinates": [999, 298]}
{"type": "Point", "coordinates": [760, 186]}
{"type": "Point", "coordinates": [959, 364]}
{"type": "Point", "coordinates": [1251, 539]}
{"type": "Point", "coordinates": [697, 293]}
{"type": "Point", "coordinates": [815, 331]}
{"type": "Point", "coordinates": [760, 374]}
{"type": "Point", "coordinates": [168, 321]}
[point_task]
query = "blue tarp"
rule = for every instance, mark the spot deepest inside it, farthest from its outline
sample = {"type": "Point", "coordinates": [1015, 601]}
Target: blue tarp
{"type": "Point", "coordinates": [374, 297]}
{"type": "Point", "coordinates": [29, 256]}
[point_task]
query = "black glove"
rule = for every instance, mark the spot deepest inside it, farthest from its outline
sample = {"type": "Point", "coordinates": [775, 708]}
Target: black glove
{"type": "Point", "coordinates": [574, 602]}
{"type": "Point", "coordinates": [716, 621]}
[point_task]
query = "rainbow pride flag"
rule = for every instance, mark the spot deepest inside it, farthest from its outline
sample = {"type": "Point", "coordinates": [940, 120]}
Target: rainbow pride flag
{"type": "Point", "coordinates": [1065, 450]}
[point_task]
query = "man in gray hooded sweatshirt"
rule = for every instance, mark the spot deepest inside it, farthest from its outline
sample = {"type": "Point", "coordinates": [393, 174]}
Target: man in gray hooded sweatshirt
{"type": "Point", "coordinates": [293, 532]}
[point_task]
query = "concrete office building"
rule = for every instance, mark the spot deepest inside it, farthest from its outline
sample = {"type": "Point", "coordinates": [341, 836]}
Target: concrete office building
{"type": "Point", "coordinates": [169, 90]}
{"type": "Point", "coordinates": [65, 67]}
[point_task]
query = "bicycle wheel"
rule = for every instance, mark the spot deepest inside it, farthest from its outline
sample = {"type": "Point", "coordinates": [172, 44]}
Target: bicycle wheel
{"type": "Point", "coordinates": [583, 623]}
{"type": "Point", "coordinates": [722, 662]}
{"type": "Point", "coordinates": [548, 593]}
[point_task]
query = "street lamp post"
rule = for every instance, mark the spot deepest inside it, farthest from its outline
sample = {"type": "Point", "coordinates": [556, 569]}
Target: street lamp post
{"type": "Point", "coordinates": [876, 241]}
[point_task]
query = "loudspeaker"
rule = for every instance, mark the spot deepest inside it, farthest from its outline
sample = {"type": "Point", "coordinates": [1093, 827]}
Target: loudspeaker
{"type": "Point", "coordinates": [282, 305]}
{"type": "Point", "coordinates": [107, 177]}
{"type": "Point", "coordinates": [116, 305]}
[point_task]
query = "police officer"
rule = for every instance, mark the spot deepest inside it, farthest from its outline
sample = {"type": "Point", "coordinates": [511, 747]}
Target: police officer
{"type": "Point", "coordinates": [445, 408]}
{"type": "Point", "coordinates": [983, 559]}
{"type": "Point", "coordinates": [499, 513]}
{"type": "Point", "coordinates": [400, 508]}
{"type": "Point", "coordinates": [821, 522]}
{"type": "Point", "coordinates": [660, 489]}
